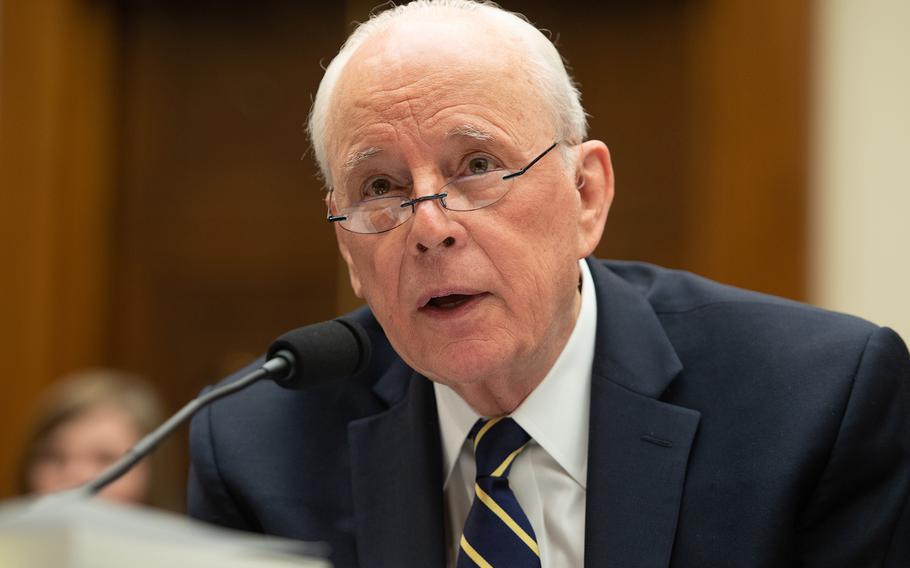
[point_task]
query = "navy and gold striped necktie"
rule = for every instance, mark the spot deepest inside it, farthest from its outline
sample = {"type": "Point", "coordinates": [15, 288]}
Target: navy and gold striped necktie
{"type": "Point", "coordinates": [497, 533]}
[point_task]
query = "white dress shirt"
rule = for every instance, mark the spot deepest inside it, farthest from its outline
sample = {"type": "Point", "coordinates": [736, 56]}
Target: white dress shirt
{"type": "Point", "coordinates": [550, 477]}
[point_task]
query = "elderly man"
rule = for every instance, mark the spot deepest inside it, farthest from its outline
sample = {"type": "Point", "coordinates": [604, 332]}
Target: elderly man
{"type": "Point", "coordinates": [527, 405]}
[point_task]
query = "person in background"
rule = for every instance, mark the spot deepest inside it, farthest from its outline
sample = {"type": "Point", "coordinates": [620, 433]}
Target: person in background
{"type": "Point", "coordinates": [83, 424]}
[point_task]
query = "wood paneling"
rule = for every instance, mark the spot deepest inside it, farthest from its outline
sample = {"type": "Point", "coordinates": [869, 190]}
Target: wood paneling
{"type": "Point", "coordinates": [747, 149]}
{"type": "Point", "coordinates": [55, 186]}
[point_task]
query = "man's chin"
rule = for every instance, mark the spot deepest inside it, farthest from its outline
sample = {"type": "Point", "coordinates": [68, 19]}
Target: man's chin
{"type": "Point", "coordinates": [457, 355]}
{"type": "Point", "coordinates": [461, 368]}
{"type": "Point", "coordinates": [454, 382]}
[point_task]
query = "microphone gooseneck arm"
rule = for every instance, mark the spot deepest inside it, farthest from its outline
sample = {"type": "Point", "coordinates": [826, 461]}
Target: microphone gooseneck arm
{"type": "Point", "coordinates": [280, 363]}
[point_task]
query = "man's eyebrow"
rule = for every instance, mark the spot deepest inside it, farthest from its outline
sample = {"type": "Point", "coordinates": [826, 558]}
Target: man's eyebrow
{"type": "Point", "coordinates": [470, 131]}
{"type": "Point", "coordinates": [462, 130]}
{"type": "Point", "coordinates": [356, 158]}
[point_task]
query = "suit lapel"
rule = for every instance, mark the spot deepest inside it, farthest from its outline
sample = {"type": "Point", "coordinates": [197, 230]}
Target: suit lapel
{"type": "Point", "coordinates": [396, 474]}
{"type": "Point", "coordinates": [638, 452]}
{"type": "Point", "coordinates": [638, 448]}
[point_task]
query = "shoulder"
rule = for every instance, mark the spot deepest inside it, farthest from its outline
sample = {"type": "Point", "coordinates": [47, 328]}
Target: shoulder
{"type": "Point", "coordinates": [757, 340]}
{"type": "Point", "coordinates": [682, 298]}
{"type": "Point", "coordinates": [803, 413]}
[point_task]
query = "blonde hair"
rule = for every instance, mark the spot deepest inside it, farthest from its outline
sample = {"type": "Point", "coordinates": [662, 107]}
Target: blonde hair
{"type": "Point", "coordinates": [545, 67]}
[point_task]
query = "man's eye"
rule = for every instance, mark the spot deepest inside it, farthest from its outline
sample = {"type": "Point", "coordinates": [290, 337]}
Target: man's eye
{"type": "Point", "coordinates": [479, 165]}
{"type": "Point", "coordinates": [377, 187]}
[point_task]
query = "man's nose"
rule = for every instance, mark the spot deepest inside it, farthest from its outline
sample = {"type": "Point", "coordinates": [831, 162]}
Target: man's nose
{"type": "Point", "coordinates": [432, 226]}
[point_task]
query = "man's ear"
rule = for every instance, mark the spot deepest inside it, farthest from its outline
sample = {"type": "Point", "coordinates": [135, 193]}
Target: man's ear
{"type": "Point", "coordinates": [352, 271]}
{"type": "Point", "coordinates": [594, 183]}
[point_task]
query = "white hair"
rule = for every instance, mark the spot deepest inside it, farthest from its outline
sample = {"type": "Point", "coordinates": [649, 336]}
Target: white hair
{"type": "Point", "coordinates": [545, 67]}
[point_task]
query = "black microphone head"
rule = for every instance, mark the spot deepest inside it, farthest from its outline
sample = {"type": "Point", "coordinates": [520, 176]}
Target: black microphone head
{"type": "Point", "coordinates": [322, 352]}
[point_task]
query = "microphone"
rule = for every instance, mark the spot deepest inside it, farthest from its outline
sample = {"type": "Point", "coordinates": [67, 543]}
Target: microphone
{"type": "Point", "coordinates": [308, 355]}
{"type": "Point", "coordinates": [321, 352]}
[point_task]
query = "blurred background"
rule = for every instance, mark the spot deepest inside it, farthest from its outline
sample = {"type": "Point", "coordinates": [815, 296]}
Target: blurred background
{"type": "Point", "coordinates": [160, 212]}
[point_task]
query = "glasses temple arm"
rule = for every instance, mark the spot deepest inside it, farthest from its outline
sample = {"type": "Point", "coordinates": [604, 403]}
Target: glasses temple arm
{"type": "Point", "coordinates": [534, 161]}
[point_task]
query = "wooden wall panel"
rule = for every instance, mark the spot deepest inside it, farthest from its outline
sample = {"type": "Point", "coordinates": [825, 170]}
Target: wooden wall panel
{"type": "Point", "coordinates": [747, 150]}
{"type": "Point", "coordinates": [55, 191]}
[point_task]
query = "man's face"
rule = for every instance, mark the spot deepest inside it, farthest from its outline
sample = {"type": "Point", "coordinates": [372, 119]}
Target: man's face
{"type": "Point", "coordinates": [462, 296]}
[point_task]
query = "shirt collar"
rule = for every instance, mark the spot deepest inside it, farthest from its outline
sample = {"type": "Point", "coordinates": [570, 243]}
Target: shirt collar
{"type": "Point", "coordinates": [566, 387]}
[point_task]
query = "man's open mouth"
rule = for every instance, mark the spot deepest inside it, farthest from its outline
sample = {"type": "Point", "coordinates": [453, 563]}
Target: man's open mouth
{"type": "Point", "coordinates": [449, 302]}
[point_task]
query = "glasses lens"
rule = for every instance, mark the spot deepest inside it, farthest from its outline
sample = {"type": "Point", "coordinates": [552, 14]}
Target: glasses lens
{"type": "Point", "coordinates": [468, 193]}
{"type": "Point", "coordinates": [373, 215]}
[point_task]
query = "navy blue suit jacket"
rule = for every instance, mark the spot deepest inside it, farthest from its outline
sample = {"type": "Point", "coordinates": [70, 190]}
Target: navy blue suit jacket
{"type": "Point", "coordinates": [727, 428]}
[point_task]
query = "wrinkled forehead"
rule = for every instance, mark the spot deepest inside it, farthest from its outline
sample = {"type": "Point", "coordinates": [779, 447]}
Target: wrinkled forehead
{"type": "Point", "coordinates": [426, 77]}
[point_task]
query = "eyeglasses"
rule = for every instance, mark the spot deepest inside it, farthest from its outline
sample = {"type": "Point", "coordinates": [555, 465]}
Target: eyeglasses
{"type": "Point", "coordinates": [382, 205]}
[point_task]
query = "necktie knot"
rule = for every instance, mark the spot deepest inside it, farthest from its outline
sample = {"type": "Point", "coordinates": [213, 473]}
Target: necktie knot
{"type": "Point", "coordinates": [497, 442]}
